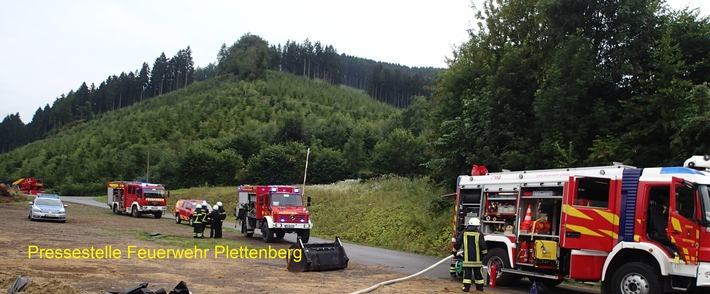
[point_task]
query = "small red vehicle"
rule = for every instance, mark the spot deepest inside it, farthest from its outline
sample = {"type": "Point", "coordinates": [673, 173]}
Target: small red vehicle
{"type": "Point", "coordinates": [184, 209]}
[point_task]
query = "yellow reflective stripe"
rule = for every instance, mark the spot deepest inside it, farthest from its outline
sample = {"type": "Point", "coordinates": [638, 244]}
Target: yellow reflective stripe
{"type": "Point", "coordinates": [571, 211]}
{"type": "Point", "coordinates": [583, 230]}
{"type": "Point", "coordinates": [467, 281]}
{"type": "Point", "coordinates": [676, 224]}
{"type": "Point", "coordinates": [610, 217]}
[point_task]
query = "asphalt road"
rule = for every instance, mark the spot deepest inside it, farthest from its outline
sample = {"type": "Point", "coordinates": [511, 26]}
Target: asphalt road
{"type": "Point", "coordinates": [397, 261]}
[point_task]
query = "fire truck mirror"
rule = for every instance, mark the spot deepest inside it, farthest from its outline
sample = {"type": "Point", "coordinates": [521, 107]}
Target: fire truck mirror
{"type": "Point", "coordinates": [168, 195]}
{"type": "Point", "coordinates": [308, 201]}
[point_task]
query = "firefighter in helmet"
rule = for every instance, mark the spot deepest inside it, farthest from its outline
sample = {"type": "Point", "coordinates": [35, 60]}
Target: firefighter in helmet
{"type": "Point", "coordinates": [197, 221]}
{"type": "Point", "coordinates": [214, 219]}
{"type": "Point", "coordinates": [474, 251]}
{"type": "Point", "coordinates": [222, 217]}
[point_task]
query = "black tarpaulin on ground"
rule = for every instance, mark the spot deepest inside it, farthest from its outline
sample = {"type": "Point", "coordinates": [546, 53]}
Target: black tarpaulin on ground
{"type": "Point", "coordinates": [181, 288]}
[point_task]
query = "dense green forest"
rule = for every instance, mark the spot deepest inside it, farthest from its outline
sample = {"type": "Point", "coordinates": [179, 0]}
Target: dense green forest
{"type": "Point", "coordinates": [539, 84]}
{"type": "Point", "coordinates": [390, 83]}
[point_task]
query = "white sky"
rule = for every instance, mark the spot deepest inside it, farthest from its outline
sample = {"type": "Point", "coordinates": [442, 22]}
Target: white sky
{"type": "Point", "coordinates": [51, 47]}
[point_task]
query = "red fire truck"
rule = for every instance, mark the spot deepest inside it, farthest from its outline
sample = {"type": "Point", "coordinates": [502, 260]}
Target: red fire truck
{"type": "Point", "coordinates": [275, 210]}
{"type": "Point", "coordinates": [635, 230]}
{"type": "Point", "coordinates": [137, 198]}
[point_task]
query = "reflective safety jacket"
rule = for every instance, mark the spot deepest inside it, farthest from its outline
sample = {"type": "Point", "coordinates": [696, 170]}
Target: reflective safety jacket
{"type": "Point", "coordinates": [222, 214]}
{"type": "Point", "coordinates": [198, 216]}
{"type": "Point", "coordinates": [474, 247]}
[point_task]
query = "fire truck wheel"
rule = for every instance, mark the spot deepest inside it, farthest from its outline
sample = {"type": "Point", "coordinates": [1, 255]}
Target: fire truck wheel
{"type": "Point", "coordinates": [266, 234]}
{"type": "Point", "coordinates": [499, 257]}
{"type": "Point", "coordinates": [244, 230]}
{"type": "Point", "coordinates": [305, 235]}
{"type": "Point", "coordinates": [115, 209]}
{"type": "Point", "coordinates": [177, 219]}
{"type": "Point", "coordinates": [637, 277]}
{"type": "Point", "coordinates": [280, 234]}
{"type": "Point", "coordinates": [134, 211]}
{"type": "Point", "coordinates": [158, 214]}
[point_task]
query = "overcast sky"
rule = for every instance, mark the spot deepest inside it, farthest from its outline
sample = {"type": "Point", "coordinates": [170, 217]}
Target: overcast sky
{"type": "Point", "coordinates": [51, 47]}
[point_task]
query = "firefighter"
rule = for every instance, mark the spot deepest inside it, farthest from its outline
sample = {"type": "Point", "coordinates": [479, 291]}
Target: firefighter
{"type": "Point", "coordinates": [222, 217]}
{"type": "Point", "coordinates": [474, 251]}
{"type": "Point", "coordinates": [203, 219]}
{"type": "Point", "coordinates": [197, 221]}
{"type": "Point", "coordinates": [214, 218]}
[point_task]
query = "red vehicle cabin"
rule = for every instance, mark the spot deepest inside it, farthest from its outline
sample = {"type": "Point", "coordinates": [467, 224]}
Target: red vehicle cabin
{"type": "Point", "coordinates": [137, 198]}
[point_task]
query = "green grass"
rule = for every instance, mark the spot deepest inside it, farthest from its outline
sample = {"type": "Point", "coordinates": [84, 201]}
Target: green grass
{"type": "Point", "coordinates": [102, 199]}
{"type": "Point", "coordinates": [393, 213]}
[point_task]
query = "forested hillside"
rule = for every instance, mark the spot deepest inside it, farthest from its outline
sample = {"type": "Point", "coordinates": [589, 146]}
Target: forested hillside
{"type": "Point", "coordinates": [390, 83]}
{"type": "Point", "coordinates": [222, 131]}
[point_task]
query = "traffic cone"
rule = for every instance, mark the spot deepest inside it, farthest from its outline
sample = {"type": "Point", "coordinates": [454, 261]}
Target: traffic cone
{"type": "Point", "coordinates": [527, 222]}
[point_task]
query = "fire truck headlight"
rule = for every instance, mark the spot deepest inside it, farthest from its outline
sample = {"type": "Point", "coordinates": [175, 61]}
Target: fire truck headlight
{"type": "Point", "coordinates": [282, 220]}
{"type": "Point", "coordinates": [303, 221]}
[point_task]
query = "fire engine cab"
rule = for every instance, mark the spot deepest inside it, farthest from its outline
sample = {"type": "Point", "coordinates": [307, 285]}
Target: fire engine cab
{"type": "Point", "coordinates": [137, 198]}
{"type": "Point", "coordinates": [635, 230]}
{"type": "Point", "coordinates": [275, 210]}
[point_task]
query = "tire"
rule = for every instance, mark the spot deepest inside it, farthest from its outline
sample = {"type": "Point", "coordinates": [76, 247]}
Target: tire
{"type": "Point", "coordinates": [115, 209]}
{"type": "Point", "coordinates": [551, 283]}
{"type": "Point", "coordinates": [638, 278]}
{"type": "Point", "coordinates": [280, 234]}
{"type": "Point", "coordinates": [244, 230]}
{"type": "Point", "coordinates": [158, 214]}
{"type": "Point", "coordinates": [266, 234]}
{"type": "Point", "coordinates": [305, 235]}
{"type": "Point", "coordinates": [177, 219]}
{"type": "Point", "coordinates": [134, 211]}
{"type": "Point", "coordinates": [499, 257]}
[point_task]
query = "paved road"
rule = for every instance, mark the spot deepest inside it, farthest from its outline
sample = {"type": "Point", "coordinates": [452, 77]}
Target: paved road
{"type": "Point", "coordinates": [397, 261]}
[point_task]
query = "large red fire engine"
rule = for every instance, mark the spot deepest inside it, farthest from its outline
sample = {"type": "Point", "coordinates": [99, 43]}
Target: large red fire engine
{"type": "Point", "coordinates": [137, 198]}
{"type": "Point", "coordinates": [637, 230]}
{"type": "Point", "coordinates": [275, 210]}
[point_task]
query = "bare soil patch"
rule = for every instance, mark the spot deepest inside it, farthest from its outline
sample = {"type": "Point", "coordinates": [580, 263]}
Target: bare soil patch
{"type": "Point", "coordinates": [92, 226]}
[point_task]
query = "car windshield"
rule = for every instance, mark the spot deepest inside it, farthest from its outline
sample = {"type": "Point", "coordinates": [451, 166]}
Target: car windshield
{"type": "Point", "coordinates": [283, 199]}
{"type": "Point", "coordinates": [48, 202]}
{"type": "Point", "coordinates": [153, 192]}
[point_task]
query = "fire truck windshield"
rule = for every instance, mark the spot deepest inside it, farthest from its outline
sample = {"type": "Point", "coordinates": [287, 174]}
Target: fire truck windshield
{"type": "Point", "coordinates": [705, 199]}
{"type": "Point", "coordinates": [284, 199]}
{"type": "Point", "coordinates": [153, 192]}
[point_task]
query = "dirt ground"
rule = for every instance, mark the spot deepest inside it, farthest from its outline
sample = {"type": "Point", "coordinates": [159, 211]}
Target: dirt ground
{"type": "Point", "coordinates": [92, 226]}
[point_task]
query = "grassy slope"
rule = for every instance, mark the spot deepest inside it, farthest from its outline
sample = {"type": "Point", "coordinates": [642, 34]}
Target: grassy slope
{"type": "Point", "coordinates": [391, 213]}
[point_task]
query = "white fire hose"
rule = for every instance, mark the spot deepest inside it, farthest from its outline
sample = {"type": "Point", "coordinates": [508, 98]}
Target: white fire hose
{"type": "Point", "coordinates": [402, 279]}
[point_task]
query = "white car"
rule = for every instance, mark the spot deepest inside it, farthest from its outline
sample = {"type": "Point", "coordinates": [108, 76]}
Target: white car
{"type": "Point", "coordinates": [48, 207]}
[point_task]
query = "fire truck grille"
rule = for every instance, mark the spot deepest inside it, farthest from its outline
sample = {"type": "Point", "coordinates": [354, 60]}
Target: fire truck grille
{"type": "Point", "coordinates": [295, 218]}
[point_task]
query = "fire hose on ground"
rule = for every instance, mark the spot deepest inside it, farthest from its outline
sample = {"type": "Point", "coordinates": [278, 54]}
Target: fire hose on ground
{"type": "Point", "coordinates": [401, 279]}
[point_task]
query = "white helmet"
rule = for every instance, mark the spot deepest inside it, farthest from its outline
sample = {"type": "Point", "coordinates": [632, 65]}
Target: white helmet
{"type": "Point", "coordinates": [219, 204]}
{"type": "Point", "coordinates": [199, 205]}
{"type": "Point", "coordinates": [474, 221]}
{"type": "Point", "coordinates": [215, 207]}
